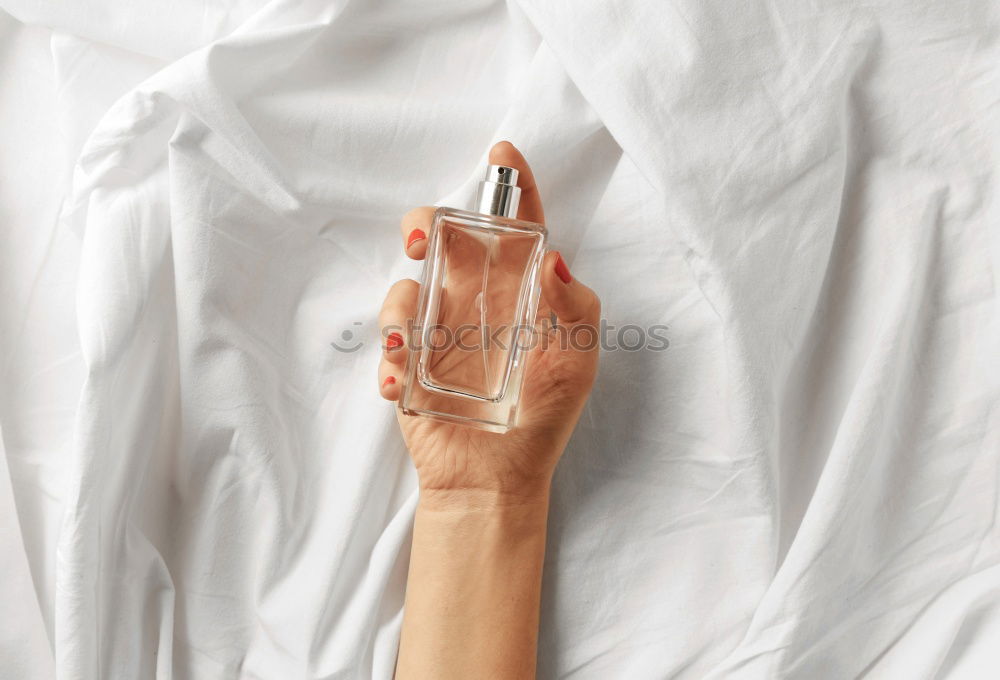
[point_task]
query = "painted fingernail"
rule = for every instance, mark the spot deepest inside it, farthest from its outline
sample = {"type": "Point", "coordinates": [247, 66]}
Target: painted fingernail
{"type": "Point", "coordinates": [389, 381]}
{"type": "Point", "coordinates": [394, 341]}
{"type": "Point", "coordinates": [562, 271]}
{"type": "Point", "coordinates": [415, 235]}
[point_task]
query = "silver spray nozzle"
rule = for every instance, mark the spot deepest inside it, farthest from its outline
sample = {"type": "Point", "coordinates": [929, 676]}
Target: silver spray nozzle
{"type": "Point", "coordinates": [498, 193]}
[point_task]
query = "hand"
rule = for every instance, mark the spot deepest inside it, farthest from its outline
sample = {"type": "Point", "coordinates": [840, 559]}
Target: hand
{"type": "Point", "coordinates": [457, 461]}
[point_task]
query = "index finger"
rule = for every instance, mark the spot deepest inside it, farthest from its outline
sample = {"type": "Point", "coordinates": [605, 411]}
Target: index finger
{"type": "Point", "coordinates": [415, 226]}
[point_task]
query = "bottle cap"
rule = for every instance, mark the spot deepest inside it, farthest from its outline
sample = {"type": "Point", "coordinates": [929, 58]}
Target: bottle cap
{"type": "Point", "coordinates": [498, 193]}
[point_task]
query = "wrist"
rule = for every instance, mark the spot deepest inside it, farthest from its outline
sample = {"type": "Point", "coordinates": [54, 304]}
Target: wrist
{"type": "Point", "coordinates": [481, 523]}
{"type": "Point", "coordinates": [522, 498]}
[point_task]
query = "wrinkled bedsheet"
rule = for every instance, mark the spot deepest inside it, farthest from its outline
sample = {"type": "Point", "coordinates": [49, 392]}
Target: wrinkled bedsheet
{"type": "Point", "coordinates": [199, 203]}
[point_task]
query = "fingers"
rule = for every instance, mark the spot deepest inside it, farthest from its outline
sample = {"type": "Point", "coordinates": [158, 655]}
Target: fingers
{"type": "Point", "coordinates": [398, 308]}
{"type": "Point", "coordinates": [389, 380]}
{"type": "Point", "coordinates": [530, 208]}
{"type": "Point", "coordinates": [572, 302]}
{"type": "Point", "coordinates": [416, 227]}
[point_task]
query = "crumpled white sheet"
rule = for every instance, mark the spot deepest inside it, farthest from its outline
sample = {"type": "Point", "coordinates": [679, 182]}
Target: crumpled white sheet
{"type": "Point", "coordinates": [197, 200]}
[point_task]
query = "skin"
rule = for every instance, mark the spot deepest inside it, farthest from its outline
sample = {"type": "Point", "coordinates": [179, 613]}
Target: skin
{"type": "Point", "coordinates": [473, 591]}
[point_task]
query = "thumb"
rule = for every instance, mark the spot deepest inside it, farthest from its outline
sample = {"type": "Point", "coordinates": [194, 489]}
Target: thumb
{"type": "Point", "coordinates": [505, 153]}
{"type": "Point", "coordinates": [571, 301]}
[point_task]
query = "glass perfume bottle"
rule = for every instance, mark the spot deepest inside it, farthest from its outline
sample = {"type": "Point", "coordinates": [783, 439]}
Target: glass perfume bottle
{"type": "Point", "coordinates": [478, 299]}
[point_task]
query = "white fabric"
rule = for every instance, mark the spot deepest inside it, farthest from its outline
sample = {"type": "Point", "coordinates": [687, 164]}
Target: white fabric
{"type": "Point", "coordinates": [197, 200]}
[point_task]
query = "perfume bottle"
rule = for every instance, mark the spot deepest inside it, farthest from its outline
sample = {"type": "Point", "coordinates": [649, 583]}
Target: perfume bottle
{"type": "Point", "coordinates": [478, 299]}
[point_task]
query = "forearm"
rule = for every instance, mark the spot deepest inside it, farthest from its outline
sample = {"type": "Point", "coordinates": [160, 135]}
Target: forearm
{"type": "Point", "coordinates": [472, 597]}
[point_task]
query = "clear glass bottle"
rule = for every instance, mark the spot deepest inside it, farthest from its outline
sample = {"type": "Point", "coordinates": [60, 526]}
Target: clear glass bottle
{"type": "Point", "coordinates": [478, 300]}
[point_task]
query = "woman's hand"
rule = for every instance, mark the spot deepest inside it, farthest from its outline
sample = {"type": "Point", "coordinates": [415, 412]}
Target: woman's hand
{"type": "Point", "coordinates": [474, 585]}
{"type": "Point", "coordinates": [465, 465]}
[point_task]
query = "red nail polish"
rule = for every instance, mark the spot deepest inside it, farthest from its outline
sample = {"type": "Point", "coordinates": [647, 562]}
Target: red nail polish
{"type": "Point", "coordinates": [394, 341]}
{"type": "Point", "coordinates": [389, 381]}
{"type": "Point", "coordinates": [415, 235]}
{"type": "Point", "coordinates": [562, 271]}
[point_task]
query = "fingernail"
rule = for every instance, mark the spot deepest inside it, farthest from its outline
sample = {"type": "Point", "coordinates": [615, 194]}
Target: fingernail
{"type": "Point", "coordinates": [415, 235]}
{"type": "Point", "coordinates": [562, 271]}
{"type": "Point", "coordinates": [389, 381]}
{"type": "Point", "coordinates": [394, 341]}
